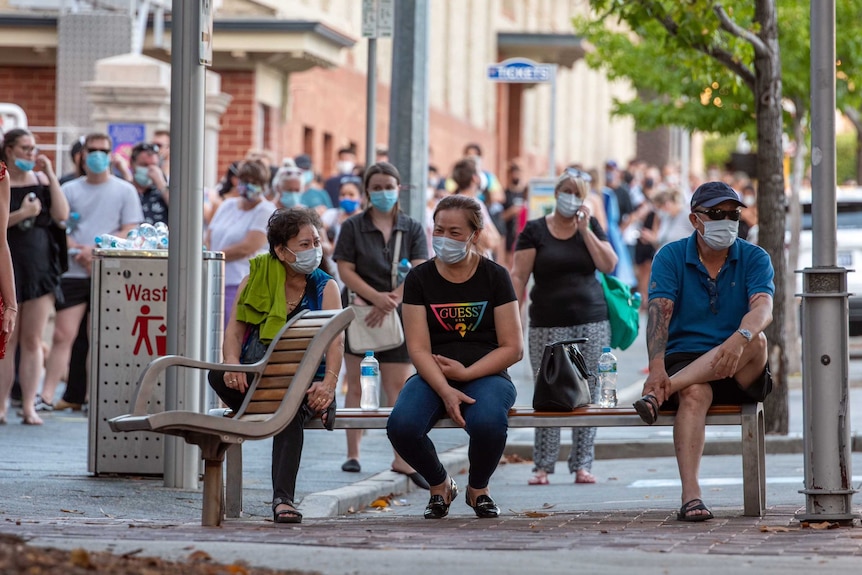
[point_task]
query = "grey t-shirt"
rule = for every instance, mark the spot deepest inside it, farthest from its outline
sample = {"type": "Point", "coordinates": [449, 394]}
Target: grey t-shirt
{"type": "Point", "coordinates": [103, 209]}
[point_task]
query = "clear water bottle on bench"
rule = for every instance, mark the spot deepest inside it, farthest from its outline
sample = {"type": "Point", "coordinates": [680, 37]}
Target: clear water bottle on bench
{"type": "Point", "coordinates": [369, 382]}
{"type": "Point", "coordinates": [607, 372]}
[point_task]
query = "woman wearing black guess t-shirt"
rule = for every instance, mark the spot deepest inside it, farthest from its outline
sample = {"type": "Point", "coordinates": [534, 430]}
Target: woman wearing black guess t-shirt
{"type": "Point", "coordinates": [463, 331]}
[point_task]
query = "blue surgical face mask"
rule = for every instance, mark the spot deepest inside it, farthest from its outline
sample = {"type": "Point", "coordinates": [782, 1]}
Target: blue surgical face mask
{"type": "Point", "coordinates": [306, 260]}
{"type": "Point", "coordinates": [448, 250]}
{"type": "Point", "coordinates": [307, 177]}
{"type": "Point", "coordinates": [384, 200]}
{"type": "Point", "coordinates": [98, 162]}
{"type": "Point", "coordinates": [348, 205]}
{"type": "Point", "coordinates": [290, 199]}
{"type": "Point", "coordinates": [568, 204]}
{"type": "Point", "coordinates": [142, 176]}
{"type": "Point", "coordinates": [24, 165]}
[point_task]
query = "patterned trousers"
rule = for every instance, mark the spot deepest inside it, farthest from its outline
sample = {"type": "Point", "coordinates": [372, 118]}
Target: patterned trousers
{"type": "Point", "coordinates": [546, 446]}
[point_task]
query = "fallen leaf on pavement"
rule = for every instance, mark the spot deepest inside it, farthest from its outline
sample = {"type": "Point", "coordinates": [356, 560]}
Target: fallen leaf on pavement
{"type": "Point", "coordinates": [199, 556]}
{"type": "Point", "coordinates": [820, 526]}
{"type": "Point", "coordinates": [774, 529]}
{"type": "Point", "coordinates": [380, 503]}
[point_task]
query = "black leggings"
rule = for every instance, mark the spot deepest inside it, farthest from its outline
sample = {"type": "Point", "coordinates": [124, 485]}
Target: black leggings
{"type": "Point", "coordinates": [286, 445]}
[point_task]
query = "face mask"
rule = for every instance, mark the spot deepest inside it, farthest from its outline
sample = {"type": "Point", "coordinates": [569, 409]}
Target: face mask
{"type": "Point", "coordinates": [24, 165]}
{"type": "Point", "coordinates": [384, 200]}
{"type": "Point", "coordinates": [749, 200]}
{"type": "Point", "coordinates": [348, 205]}
{"type": "Point", "coordinates": [250, 192]}
{"type": "Point", "coordinates": [290, 199]}
{"type": "Point", "coordinates": [719, 234]}
{"type": "Point", "coordinates": [344, 166]}
{"type": "Point", "coordinates": [98, 162]}
{"type": "Point", "coordinates": [307, 177]}
{"type": "Point", "coordinates": [568, 204]}
{"type": "Point", "coordinates": [307, 260]}
{"type": "Point", "coordinates": [142, 177]}
{"type": "Point", "coordinates": [448, 250]}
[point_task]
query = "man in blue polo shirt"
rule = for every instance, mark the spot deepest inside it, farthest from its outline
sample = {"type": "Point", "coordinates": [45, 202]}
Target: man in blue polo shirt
{"type": "Point", "coordinates": [710, 298]}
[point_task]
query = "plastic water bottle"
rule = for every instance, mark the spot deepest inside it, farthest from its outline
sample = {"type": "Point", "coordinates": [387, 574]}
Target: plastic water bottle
{"type": "Point", "coordinates": [636, 300]}
{"type": "Point", "coordinates": [28, 223]}
{"type": "Point", "coordinates": [607, 378]}
{"type": "Point", "coordinates": [72, 222]}
{"type": "Point", "coordinates": [369, 381]}
{"type": "Point", "coordinates": [403, 269]}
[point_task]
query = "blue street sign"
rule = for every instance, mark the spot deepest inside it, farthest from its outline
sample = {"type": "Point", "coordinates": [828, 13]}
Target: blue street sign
{"type": "Point", "coordinates": [520, 71]}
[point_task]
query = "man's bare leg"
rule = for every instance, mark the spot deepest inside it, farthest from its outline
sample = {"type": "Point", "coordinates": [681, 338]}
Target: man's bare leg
{"type": "Point", "coordinates": [748, 369]}
{"type": "Point", "coordinates": [689, 436]}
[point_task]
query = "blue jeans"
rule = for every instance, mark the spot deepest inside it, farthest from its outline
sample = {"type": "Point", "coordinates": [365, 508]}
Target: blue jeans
{"type": "Point", "coordinates": [419, 407]}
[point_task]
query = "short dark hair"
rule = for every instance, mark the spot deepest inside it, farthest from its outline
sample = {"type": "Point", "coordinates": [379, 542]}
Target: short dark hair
{"type": "Point", "coordinates": [284, 224]}
{"type": "Point", "coordinates": [473, 146]}
{"type": "Point", "coordinates": [464, 172]}
{"type": "Point", "coordinates": [143, 147]}
{"type": "Point", "coordinates": [89, 138]}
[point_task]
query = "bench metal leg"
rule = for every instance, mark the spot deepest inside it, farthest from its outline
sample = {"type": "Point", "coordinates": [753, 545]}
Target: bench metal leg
{"type": "Point", "coordinates": [233, 490]}
{"type": "Point", "coordinates": [212, 496]}
{"type": "Point", "coordinates": [753, 460]}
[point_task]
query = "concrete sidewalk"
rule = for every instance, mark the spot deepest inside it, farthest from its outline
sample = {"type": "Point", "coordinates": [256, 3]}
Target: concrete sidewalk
{"type": "Point", "coordinates": [626, 521]}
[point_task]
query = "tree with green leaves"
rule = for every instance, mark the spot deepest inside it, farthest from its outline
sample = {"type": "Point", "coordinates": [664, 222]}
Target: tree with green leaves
{"type": "Point", "coordinates": [848, 52]}
{"type": "Point", "coordinates": [716, 67]}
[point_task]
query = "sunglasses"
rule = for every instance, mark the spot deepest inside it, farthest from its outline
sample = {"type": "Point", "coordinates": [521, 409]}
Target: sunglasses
{"type": "Point", "coordinates": [93, 150]}
{"type": "Point", "coordinates": [716, 214]}
{"type": "Point", "coordinates": [576, 173]}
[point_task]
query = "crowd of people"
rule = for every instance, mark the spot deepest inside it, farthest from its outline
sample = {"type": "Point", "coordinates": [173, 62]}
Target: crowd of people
{"type": "Point", "coordinates": [294, 240]}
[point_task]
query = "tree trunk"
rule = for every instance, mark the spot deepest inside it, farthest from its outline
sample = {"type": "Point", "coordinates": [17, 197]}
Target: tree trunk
{"type": "Point", "coordinates": [770, 201]}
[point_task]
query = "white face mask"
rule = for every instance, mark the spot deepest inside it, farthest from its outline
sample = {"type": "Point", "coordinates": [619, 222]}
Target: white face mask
{"type": "Point", "coordinates": [306, 260]}
{"type": "Point", "coordinates": [719, 234]}
{"type": "Point", "coordinates": [344, 166]}
{"type": "Point", "coordinates": [568, 204]}
{"type": "Point", "coordinates": [448, 250]}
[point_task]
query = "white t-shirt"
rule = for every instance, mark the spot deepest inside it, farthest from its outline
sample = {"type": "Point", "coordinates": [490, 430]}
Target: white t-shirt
{"type": "Point", "coordinates": [230, 225]}
{"type": "Point", "coordinates": [103, 209]}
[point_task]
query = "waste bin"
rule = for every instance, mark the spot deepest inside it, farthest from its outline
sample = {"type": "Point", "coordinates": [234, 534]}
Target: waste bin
{"type": "Point", "coordinates": [128, 329]}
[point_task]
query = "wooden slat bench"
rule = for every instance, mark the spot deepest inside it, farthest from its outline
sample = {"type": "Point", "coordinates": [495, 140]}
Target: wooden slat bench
{"type": "Point", "coordinates": [748, 417]}
{"type": "Point", "coordinates": [276, 392]}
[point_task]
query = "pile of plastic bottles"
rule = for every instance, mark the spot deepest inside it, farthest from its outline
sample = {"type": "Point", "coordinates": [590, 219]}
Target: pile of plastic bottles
{"type": "Point", "coordinates": [144, 237]}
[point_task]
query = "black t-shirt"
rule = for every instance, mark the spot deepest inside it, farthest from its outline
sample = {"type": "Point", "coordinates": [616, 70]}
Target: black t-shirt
{"type": "Point", "coordinates": [565, 291]}
{"type": "Point", "coordinates": [460, 315]}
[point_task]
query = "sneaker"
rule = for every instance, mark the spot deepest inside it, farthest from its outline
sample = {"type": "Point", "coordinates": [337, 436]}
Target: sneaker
{"type": "Point", "coordinates": [42, 406]}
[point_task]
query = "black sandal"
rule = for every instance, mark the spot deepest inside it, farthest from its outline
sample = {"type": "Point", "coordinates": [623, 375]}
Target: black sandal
{"type": "Point", "coordinates": [437, 507]}
{"type": "Point", "coordinates": [647, 408]}
{"type": "Point", "coordinates": [694, 505]}
{"type": "Point", "coordinates": [484, 507]}
{"type": "Point", "coordinates": [290, 515]}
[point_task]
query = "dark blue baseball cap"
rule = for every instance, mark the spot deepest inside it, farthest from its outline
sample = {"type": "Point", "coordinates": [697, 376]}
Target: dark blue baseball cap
{"type": "Point", "coordinates": [713, 193]}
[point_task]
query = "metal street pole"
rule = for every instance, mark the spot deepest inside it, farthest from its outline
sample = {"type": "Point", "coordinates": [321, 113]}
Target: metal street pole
{"type": "Point", "coordinates": [185, 259]}
{"type": "Point", "coordinates": [552, 131]}
{"type": "Point", "coordinates": [371, 104]}
{"type": "Point", "coordinates": [408, 120]}
{"type": "Point", "coordinates": [828, 489]}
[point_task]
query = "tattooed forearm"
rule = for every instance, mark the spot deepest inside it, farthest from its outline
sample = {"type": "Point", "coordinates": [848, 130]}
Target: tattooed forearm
{"type": "Point", "coordinates": [660, 310]}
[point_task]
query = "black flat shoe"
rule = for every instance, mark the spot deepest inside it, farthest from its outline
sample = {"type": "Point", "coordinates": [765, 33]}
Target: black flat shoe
{"type": "Point", "coordinates": [351, 466]}
{"type": "Point", "coordinates": [437, 507]}
{"type": "Point", "coordinates": [484, 507]}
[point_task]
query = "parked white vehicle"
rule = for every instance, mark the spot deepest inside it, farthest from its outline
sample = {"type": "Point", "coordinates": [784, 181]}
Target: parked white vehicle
{"type": "Point", "coordinates": [848, 247]}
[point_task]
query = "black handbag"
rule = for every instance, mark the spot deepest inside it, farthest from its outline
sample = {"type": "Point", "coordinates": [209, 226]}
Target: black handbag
{"type": "Point", "coordinates": [562, 379]}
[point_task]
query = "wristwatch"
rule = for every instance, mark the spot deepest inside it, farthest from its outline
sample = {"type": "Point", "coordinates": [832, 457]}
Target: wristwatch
{"type": "Point", "coordinates": [744, 333]}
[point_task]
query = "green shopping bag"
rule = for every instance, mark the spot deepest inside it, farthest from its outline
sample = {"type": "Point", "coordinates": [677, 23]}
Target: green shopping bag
{"type": "Point", "coordinates": [622, 311]}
